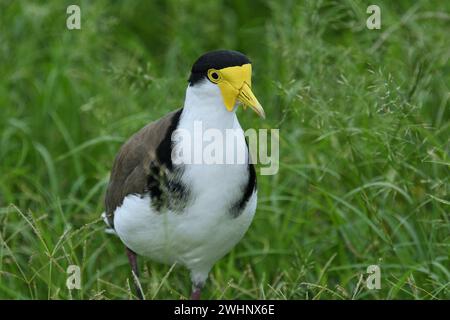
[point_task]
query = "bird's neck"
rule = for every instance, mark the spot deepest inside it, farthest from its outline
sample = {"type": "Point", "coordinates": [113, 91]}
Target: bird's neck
{"type": "Point", "coordinates": [205, 104]}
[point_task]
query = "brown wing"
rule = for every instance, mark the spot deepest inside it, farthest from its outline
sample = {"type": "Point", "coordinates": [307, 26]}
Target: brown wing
{"type": "Point", "coordinates": [131, 168]}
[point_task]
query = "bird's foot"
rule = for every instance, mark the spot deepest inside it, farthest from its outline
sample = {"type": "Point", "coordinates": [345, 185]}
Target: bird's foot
{"type": "Point", "coordinates": [132, 258]}
{"type": "Point", "coordinates": [196, 294]}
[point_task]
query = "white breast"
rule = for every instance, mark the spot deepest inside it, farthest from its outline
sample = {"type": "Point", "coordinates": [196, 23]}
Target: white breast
{"type": "Point", "coordinates": [205, 231]}
{"type": "Point", "coordinates": [195, 238]}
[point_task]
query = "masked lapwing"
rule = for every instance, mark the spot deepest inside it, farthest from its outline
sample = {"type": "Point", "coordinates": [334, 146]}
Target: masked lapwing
{"type": "Point", "coordinates": [182, 212]}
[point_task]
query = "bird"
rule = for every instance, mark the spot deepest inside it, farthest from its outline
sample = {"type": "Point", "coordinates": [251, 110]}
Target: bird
{"type": "Point", "coordinates": [179, 212]}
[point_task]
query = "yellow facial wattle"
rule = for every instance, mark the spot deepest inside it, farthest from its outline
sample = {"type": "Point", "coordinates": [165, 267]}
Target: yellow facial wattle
{"type": "Point", "coordinates": [235, 84]}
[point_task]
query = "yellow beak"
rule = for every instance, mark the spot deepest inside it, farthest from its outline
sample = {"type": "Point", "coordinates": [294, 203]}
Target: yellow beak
{"type": "Point", "coordinates": [235, 84]}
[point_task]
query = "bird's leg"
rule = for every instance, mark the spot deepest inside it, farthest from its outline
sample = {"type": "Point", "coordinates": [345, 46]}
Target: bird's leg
{"type": "Point", "coordinates": [196, 291]}
{"type": "Point", "coordinates": [132, 258]}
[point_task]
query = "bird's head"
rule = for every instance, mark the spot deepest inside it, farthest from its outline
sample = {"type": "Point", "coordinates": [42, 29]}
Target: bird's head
{"type": "Point", "coordinates": [231, 72]}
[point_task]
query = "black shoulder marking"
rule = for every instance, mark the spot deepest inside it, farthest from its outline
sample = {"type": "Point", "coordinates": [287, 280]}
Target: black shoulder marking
{"type": "Point", "coordinates": [155, 184]}
{"type": "Point", "coordinates": [251, 184]}
{"type": "Point", "coordinates": [164, 184]}
{"type": "Point", "coordinates": [164, 150]}
{"type": "Point", "coordinates": [166, 189]}
{"type": "Point", "coordinates": [250, 187]}
{"type": "Point", "coordinates": [217, 59]}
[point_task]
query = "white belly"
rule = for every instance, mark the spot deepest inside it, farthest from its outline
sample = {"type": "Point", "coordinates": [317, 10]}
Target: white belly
{"type": "Point", "coordinates": [205, 230]}
{"type": "Point", "coordinates": [195, 238]}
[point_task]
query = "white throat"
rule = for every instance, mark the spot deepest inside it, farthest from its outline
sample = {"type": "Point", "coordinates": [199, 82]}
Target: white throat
{"type": "Point", "coordinates": [204, 103]}
{"type": "Point", "coordinates": [214, 148]}
{"type": "Point", "coordinates": [212, 128]}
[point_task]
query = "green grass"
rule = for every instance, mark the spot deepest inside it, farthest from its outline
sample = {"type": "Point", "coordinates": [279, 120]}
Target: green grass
{"type": "Point", "coordinates": [364, 153]}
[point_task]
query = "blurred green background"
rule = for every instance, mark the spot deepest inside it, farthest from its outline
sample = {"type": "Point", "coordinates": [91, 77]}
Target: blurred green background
{"type": "Point", "coordinates": [364, 151]}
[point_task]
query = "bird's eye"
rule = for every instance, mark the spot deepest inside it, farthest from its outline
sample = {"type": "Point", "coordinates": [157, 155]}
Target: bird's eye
{"type": "Point", "coordinates": [214, 75]}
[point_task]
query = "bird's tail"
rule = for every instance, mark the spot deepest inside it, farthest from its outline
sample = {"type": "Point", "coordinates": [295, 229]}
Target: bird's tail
{"type": "Point", "coordinates": [109, 229]}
